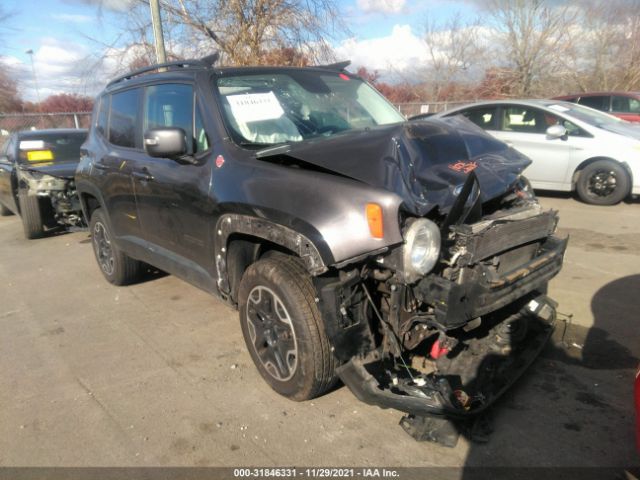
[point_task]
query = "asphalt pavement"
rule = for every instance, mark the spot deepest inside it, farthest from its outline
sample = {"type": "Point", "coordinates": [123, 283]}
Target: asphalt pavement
{"type": "Point", "coordinates": [157, 374]}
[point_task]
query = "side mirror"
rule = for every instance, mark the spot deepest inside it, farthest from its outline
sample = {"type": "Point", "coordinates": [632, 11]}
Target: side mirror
{"type": "Point", "coordinates": [166, 142]}
{"type": "Point", "coordinates": [556, 131]}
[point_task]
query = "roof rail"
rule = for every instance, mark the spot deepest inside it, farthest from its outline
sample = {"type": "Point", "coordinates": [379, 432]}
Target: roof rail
{"type": "Point", "coordinates": [204, 62]}
{"type": "Point", "coordinates": [338, 66]}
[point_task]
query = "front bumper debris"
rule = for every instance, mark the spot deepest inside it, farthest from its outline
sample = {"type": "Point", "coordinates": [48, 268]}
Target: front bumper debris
{"type": "Point", "coordinates": [467, 380]}
{"type": "Point", "coordinates": [484, 291]}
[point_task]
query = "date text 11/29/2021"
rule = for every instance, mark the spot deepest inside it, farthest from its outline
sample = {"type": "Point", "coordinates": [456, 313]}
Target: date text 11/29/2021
{"type": "Point", "coordinates": [368, 472]}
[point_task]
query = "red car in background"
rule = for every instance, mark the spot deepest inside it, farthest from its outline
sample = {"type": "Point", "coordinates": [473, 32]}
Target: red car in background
{"type": "Point", "coordinates": [625, 105]}
{"type": "Point", "coordinates": [638, 407]}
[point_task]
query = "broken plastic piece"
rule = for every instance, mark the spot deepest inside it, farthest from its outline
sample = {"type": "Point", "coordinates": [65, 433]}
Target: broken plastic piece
{"type": "Point", "coordinates": [431, 429]}
{"type": "Point", "coordinates": [438, 350]}
{"type": "Point", "coordinates": [420, 382]}
{"type": "Point", "coordinates": [463, 398]}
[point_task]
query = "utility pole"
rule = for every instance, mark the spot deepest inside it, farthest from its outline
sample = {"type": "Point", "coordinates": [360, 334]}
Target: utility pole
{"type": "Point", "coordinates": [161, 56]}
{"type": "Point", "coordinates": [35, 78]}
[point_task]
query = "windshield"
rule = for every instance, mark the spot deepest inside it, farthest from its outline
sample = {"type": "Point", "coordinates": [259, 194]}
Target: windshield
{"type": "Point", "coordinates": [272, 108]}
{"type": "Point", "coordinates": [588, 115]}
{"type": "Point", "coordinates": [51, 147]}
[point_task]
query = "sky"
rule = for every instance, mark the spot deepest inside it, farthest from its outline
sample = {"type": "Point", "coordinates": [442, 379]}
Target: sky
{"type": "Point", "coordinates": [68, 36]}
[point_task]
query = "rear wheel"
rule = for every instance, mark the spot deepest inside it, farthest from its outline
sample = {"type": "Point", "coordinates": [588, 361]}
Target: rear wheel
{"type": "Point", "coordinates": [283, 328]}
{"type": "Point", "coordinates": [115, 265]}
{"type": "Point", "coordinates": [31, 216]}
{"type": "Point", "coordinates": [4, 211]}
{"type": "Point", "coordinates": [603, 182]}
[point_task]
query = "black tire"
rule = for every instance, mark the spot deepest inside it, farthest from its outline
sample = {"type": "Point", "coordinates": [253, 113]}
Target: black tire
{"type": "Point", "coordinates": [277, 296]}
{"type": "Point", "coordinates": [31, 216]}
{"type": "Point", "coordinates": [117, 267]}
{"type": "Point", "coordinates": [603, 182]}
{"type": "Point", "coordinates": [4, 211]}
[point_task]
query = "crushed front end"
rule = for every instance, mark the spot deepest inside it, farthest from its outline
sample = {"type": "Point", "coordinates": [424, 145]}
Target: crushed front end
{"type": "Point", "coordinates": [58, 196]}
{"type": "Point", "coordinates": [442, 325]}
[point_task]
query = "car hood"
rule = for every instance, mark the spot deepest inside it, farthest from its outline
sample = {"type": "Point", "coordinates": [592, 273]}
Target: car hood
{"type": "Point", "coordinates": [424, 162]}
{"type": "Point", "coordinates": [626, 129]}
{"type": "Point", "coordinates": [59, 169]}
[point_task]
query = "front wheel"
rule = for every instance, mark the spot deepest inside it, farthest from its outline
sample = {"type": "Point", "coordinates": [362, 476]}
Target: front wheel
{"type": "Point", "coordinates": [603, 182]}
{"type": "Point", "coordinates": [115, 265]}
{"type": "Point", "coordinates": [31, 216]}
{"type": "Point", "coordinates": [283, 328]}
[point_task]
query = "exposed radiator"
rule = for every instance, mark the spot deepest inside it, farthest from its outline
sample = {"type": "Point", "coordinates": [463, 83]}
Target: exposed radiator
{"type": "Point", "coordinates": [501, 236]}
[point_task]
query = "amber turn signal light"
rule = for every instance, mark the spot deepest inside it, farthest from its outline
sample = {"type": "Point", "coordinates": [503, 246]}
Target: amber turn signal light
{"type": "Point", "coordinates": [374, 218]}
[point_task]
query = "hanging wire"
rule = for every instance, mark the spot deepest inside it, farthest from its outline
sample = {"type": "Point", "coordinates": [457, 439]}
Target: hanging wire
{"type": "Point", "coordinates": [388, 330]}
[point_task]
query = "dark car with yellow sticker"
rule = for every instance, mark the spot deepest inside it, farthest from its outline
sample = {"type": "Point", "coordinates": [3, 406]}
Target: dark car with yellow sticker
{"type": "Point", "coordinates": [36, 179]}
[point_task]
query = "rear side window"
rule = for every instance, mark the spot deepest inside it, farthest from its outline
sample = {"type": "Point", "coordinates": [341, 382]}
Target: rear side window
{"type": "Point", "coordinates": [525, 119]}
{"type": "Point", "coordinates": [123, 120]}
{"type": "Point", "coordinates": [625, 104]}
{"type": "Point", "coordinates": [484, 117]}
{"type": "Point", "coordinates": [599, 102]}
{"type": "Point", "coordinates": [172, 105]}
{"type": "Point", "coordinates": [103, 116]}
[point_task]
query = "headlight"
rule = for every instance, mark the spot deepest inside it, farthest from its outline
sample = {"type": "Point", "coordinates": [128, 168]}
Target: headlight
{"type": "Point", "coordinates": [39, 182]}
{"type": "Point", "coordinates": [421, 249]}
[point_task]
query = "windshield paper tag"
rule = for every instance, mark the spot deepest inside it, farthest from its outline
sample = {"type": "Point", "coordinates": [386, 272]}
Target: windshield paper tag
{"type": "Point", "coordinates": [254, 107]}
{"type": "Point", "coordinates": [32, 145]}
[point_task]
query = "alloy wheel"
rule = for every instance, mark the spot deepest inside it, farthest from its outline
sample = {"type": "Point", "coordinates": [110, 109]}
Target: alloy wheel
{"type": "Point", "coordinates": [602, 183]}
{"type": "Point", "coordinates": [102, 246]}
{"type": "Point", "coordinates": [272, 335]}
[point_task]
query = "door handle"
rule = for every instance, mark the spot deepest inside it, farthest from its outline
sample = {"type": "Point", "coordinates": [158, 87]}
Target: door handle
{"type": "Point", "coordinates": [100, 166]}
{"type": "Point", "coordinates": [143, 176]}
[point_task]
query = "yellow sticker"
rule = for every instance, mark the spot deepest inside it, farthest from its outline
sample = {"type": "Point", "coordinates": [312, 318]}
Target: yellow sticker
{"type": "Point", "coordinates": [39, 155]}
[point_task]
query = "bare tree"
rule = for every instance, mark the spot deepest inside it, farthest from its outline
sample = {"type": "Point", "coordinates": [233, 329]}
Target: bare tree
{"type": "Point", "coordinates": [532, 37]}
{"type": "Point", "coordinates": [244, 32]}
{"type": "Point", "coordinates": [9, 98]}
{"type": "Point", "coordinates": [455, 51]}
{"type": "Point", "coordinates": [605, 53]}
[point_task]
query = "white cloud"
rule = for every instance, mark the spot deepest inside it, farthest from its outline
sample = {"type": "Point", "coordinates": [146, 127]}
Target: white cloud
{"type": "Point", "coordinates": [397, 52]}
{"type": "Point", "coordinates": [59, 66]}
{"type": "Point", "coordinates": [117, 5]}
{"type": "Point", "coordinates": [72, 18]}
{"type": "Point", "coordinates": [381, 6]}
{"type": "Point", "coordinates": [62, 66]}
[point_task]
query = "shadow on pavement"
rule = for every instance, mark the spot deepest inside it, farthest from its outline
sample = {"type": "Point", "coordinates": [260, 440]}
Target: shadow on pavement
{"type": "Point", "coordinates": [567, 195]}
{"type": "Point", "coordinates": [574, 407]}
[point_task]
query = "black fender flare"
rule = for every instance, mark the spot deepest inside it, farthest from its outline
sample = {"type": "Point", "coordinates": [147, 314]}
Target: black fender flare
{"type": "Point", "coordinates": [85, 188]}
{"type": "Point", "coordinates": [296, 242]}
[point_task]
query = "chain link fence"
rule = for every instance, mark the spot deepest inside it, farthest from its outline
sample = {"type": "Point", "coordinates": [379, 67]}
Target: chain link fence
{"type": "Point", "coordinates": [14, 122]}
{"type": "Point", "coordinates": [417, 108]}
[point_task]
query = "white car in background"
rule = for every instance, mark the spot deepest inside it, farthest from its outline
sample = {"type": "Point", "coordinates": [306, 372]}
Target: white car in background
{"type": "Point", "coordinates": [572, 147]}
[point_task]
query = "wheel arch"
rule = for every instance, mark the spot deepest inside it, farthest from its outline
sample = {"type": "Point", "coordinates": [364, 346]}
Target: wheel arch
{"type": "Point", "coordinates": [585, 163]}
{"type": "Point", "coordinates": [90, 200]}
{"type": "Point", "coordinates": [241, 240]}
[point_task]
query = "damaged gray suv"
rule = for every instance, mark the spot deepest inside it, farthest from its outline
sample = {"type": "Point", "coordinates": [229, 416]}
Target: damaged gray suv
{"type": "Point", "coordinates": [408, 259]}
